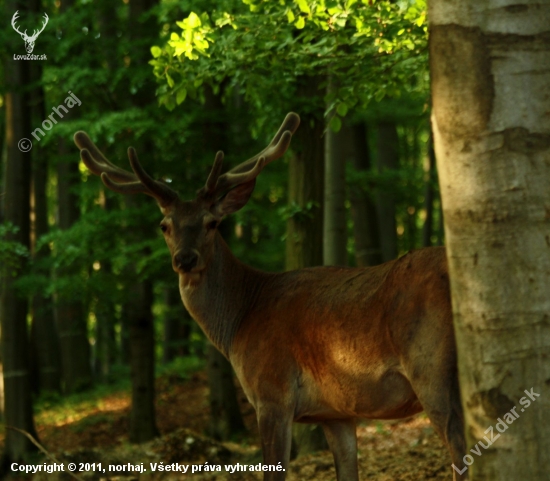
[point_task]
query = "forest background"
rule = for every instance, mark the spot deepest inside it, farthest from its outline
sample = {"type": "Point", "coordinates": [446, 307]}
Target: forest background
{"type": "Point", "coordinates": [88, 293]}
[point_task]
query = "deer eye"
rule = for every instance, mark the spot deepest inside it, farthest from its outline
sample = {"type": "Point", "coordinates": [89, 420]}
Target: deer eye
{"type": "Point", "coordinates": [212, 225]}
{"type": "Point", "coordinates": [163, 227]}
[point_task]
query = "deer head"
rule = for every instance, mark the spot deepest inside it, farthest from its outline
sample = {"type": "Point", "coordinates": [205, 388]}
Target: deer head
{"type": "Point", "coordinates": [29, 41]}
{"type": "Point", "coordinates": [189, 227]}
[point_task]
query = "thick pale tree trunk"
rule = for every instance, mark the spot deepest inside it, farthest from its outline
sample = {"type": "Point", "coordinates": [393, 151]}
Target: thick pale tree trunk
{"type": "Point", "coordinates": [491, 102]}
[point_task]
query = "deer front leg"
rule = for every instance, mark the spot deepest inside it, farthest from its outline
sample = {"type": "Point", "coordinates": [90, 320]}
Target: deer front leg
{"type": "Point", "coordinates": [275, 425]}
{"type": "Point", "coordinates": [342, 440]}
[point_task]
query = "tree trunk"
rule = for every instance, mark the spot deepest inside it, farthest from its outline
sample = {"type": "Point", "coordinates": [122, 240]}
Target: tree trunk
{"type": "Point", "coordinates": [105, 345]}
{"type": "Point", "coordinates": [363, 208]}
{"type": "Point", "coordinates": [225, 416]}
{"type": "Point", "coordinates": [46, 364]}
{"type": "Point", "coordinates": [13, 308]}
{"type": "Point", "coordinates": [491, 99]}
{"type": "Point", "coordinates": [304, 240]}
{"type": "Point", "coordinates": [142, 363]}
{"type": "Point", "coordinates": [388, 158]}
{"type": "Point", "coordinates": [69, 309]}
{"type": "Point", "coordinates": [177, 326]}
{"type": "Point", "coordinates": [335, 236]}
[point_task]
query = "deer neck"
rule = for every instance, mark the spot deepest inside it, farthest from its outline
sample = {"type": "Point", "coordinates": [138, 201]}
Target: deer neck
{"type": "Point", "coordinates": [223, 296]}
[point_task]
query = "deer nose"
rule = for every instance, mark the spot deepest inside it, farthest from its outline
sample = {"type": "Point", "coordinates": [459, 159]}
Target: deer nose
{"type": "Point", "coordinates": [185, 261]}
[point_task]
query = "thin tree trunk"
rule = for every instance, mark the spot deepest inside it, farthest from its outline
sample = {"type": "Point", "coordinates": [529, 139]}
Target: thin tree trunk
{"type": "Point", "coordinates": [177, 326]}
{"type": "Point", "coordinates": [363, 207]}
{"type": "Point", "coordinates": [491, 99]}
{"type": "Point", "coordinates": [46, 364]}
{"type": "Point", "coordinates": [69, 310]}
{"type": "Point", "coordinates": [105, 346]}
{"type": "Point", "coordinates": [304, 240]}
{"type": "Point", "coordinates": [142, 363]}
{"type": "Point", "coordinates": [388, 159]}
{"type": "Point", "coordinates": [335, 236]}
{"type": "Point", "coordinates": [225, 416]}
{"type": "Point", "coordinates": [13, 307]}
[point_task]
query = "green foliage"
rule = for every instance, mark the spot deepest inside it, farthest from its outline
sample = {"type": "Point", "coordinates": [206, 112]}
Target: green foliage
{"type": "Point", "coordinates": [12, 253]}
{"type": "Point", "coordinates": [372, 49]}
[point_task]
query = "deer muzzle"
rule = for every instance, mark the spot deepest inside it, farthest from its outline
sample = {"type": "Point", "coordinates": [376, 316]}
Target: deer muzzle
{"type": "Point", "coordinates": [186, 262]}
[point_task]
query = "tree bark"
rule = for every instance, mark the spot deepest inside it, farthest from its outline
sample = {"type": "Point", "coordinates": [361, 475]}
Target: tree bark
{"type": "Point", "coordinates": [69, 310]}
{"type": "Point", "coordinates": [46, 364]}
{"type": "Point", "coordinates": [388, 159]}
{"type": "Point", "coordinates": [363, 207]}
{"type": "Point", "coordinates": [225, 416]}
{"type": "Point", "coordinates": [304, 240]}
{"type": "Point", "coordinates": [13, 307]}
{"type": "Point", "coordinates": [491, 99]}
{"type": "Point", "coordinates": [143, 427]}
{"type": "Point", "coordinates": [177, 326]}
{"type": "Point", "coordinates": [335, 236]}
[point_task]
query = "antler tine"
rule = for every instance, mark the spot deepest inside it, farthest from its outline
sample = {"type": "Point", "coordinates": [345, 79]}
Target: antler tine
{"type": "Point", "coordinates": [251, 168]}
{"type": "Point", "coordinates": [128, 188]}
{"type": "Point", "coordinates": [120, 180]}
{"type": "Point", "coordinates": [290, 124]}
{"type": "Point", "coordinates": [214, 173]}
{"type": "Point", "coordinates": [160, 191]}
{"type": "Point", "coordinates": [97, 162]}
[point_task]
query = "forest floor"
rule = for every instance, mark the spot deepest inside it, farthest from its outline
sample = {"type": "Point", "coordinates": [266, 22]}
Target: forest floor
{"type": "Point", "coordinates": [94, 430]}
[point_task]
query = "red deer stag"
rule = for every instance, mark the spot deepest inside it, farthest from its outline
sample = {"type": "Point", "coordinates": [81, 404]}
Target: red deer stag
{"type": "Point", "coordinates": [326, 345]}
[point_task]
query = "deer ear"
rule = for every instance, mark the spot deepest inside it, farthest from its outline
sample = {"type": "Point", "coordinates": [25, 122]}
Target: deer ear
{"type": "Point", "coordinates": [234, 200]}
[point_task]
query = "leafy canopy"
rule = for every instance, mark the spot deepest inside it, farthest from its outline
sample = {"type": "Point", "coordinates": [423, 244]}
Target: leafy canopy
{"type": "Point", "coordinates": [371, 49]}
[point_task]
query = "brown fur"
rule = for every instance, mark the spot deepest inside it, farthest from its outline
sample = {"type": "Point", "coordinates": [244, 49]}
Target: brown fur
{"type": "Point", "coordinates": [325, 344]}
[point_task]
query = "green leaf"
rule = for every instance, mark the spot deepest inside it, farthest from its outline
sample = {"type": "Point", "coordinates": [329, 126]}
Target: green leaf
{"type": "Point", "coordinates": [303, 6]}
{"type": "Point", "coordinates": [156, 51]}
{"type": "Point", "coordinates": [193, 20]}
{"type": "Point", "coordinates": [335, 124]}
{"type": "Point", "coordinates": [300, 23]}
{"type": "Point", "coordinates": [170, 80]}
{"type": "Point", "coordinates": [342, 109]}
{"type": "Point", "coordinates": [290, 15]}
{"type": "Point", "coordinates": [180, 96]}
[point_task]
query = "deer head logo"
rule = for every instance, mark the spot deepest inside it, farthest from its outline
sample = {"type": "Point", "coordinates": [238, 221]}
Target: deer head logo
{"type": "Point", "coordinates": [29, 41]}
